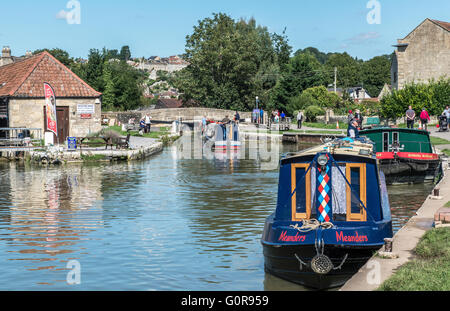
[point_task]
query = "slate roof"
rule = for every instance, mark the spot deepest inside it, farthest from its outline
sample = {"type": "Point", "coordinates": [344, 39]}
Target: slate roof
{"type": "Point", "coordinates": [25, 79]}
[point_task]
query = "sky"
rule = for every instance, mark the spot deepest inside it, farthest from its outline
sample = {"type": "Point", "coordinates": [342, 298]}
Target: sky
{"type": "Point", "coordinates": [152, 27]}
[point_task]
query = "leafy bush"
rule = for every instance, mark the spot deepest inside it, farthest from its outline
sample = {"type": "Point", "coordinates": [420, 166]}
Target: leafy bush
{"type": "Point", "coordinates": [312, 112]}
{"type": "Point", "coordinates": [433, 96]}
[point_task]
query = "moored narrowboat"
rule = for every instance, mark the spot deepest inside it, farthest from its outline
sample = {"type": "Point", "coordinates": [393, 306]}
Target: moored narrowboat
{"type": "Point", "coordinates": [224, 136]}
{"type": "Point", "coordinates": [405, 155]}
{"type": "Point", "coordinates": [332, 214]}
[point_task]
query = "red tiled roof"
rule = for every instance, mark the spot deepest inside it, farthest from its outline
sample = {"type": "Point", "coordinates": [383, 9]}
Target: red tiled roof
{"type": "Point", "coordinates": [442, 24]}
{"type": "Point", "coordinates": [168, 103]}
{"type": "Point", "coordinates": [26, 78]}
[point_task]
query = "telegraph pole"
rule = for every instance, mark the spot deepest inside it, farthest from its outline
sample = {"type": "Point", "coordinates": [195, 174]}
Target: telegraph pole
{"type": "Point", "coordinates": [335, 80]}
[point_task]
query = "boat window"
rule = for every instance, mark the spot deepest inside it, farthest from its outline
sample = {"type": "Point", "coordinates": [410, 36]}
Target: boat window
{"type": "Point", "coordinates": [339, 195]}
{"type": "Point", "coordinates": [385, 142]}
{"type": "Point", "coordinates": [301, 184]}
{"type": "Point", "coordinates": [356, 175]}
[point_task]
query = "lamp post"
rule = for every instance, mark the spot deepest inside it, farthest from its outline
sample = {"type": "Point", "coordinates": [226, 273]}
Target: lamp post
{"type": "Point", "coordinates": [257, 102]}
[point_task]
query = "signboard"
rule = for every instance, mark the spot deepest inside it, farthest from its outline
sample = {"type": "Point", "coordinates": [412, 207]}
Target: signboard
{"type": "Point", "coordinates": [71, 143]}
{"type": "Point", "coordinates": [50, 104]}
{"type": "Point", "coordinates": [85, 109]}
{"type": "Point", "coordinates": [86, 116]}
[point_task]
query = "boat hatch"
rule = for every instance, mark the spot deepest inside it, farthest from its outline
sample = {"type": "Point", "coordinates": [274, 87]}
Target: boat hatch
{"type": "Point", "coordinates": [342, 192]}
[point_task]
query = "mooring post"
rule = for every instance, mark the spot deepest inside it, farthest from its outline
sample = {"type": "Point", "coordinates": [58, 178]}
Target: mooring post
{"type": "Point", "coordinates": [388, 242]}
{"type": "Point", "coordinates": [436, 192]}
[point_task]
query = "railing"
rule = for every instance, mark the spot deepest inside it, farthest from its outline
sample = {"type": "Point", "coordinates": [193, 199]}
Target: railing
{"type": "Point", "coordinates": [20, 138]}
{"type": "Point", "coordinates": [422, 146]}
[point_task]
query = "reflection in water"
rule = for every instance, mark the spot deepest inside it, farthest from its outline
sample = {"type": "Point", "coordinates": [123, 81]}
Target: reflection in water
{"type": "Point", "coordinates": [162, 224]}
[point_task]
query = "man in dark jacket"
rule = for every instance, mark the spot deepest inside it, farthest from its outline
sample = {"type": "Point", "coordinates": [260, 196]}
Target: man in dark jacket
{"type": "Point", "coordinates": [223, 125]}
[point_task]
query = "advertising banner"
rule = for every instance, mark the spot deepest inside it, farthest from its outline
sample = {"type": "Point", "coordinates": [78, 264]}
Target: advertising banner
{"type": "Point", "coordinates": [50, 104]}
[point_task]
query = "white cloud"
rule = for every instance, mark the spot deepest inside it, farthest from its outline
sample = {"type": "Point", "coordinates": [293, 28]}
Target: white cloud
{"type": "Point", "coordinates": [363, 37]}
{"type": "Point", "coordinates": [62, 14]}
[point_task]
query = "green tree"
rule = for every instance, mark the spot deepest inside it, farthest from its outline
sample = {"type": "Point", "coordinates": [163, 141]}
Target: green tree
{"type": "Point", "coordinates": [125, 53]}
{"type": "Point", "coordinates": [315, 96]}
{"type": "Point", "coordinates": [303, 71]}
{"type": "Point", "coordinates": [320, 56]}
{"type": "Point", "coordinates": [231, 62]}
{"type": "Point", "coordinates": [375, 74]}
{"type": "Point", "coordinates": [348, 70]}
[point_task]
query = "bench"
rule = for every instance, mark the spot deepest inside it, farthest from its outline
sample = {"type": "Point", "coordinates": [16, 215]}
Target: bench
{"type": "Point", "coordinates": [372, 122]}
{"type": "Point", "coordinates": [123, 142]}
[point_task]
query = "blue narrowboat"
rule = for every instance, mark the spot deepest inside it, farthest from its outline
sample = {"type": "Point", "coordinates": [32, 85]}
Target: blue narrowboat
{"type": "Point", "coordinates": [332, 214]}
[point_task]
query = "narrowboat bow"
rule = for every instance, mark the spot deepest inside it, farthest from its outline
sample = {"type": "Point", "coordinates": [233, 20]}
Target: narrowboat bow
{"type": "Point", "coordinates": [332, 214]}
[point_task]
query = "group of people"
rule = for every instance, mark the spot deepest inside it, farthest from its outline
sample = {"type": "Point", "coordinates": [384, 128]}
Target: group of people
{"type": "Point", "coordinates": [257, 116]}
{"type": "Point", "coordinates": [411, 117]}
{"type": "Point", "coordinates": [277, 116]}
{"type": "Point", "coordinates": [424, 117]}
{"type": "Point", "coordinates": [145, 124]}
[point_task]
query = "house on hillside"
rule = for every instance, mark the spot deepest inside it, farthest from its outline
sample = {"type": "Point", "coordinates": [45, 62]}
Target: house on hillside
{"type": "Point", "coordinates": [422, 55]}
{"type": "Point", "coordinates": [22, 102]}
{"type": "Point", "coordinates": [358, 93]}
{"type": "Point", "coordinates": [387, 90]}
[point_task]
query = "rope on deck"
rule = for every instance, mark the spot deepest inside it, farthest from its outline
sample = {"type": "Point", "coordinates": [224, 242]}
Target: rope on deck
{"type": "Point", "coordinates": [312, 224]}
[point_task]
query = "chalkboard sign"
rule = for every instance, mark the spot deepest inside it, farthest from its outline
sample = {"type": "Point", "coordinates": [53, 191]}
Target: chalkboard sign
{"type": "Point", "coordinates": [72, 143]}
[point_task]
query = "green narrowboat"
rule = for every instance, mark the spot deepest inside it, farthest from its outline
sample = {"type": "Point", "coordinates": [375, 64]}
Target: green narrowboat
{"type": "Point", "coordinates": [405, 155]}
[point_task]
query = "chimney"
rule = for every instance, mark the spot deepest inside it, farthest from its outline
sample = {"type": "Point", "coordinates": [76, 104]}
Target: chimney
{"type": "Point", "coordinates": [6, 56]}
{"type": "Point", "coordinates": [28, 54]}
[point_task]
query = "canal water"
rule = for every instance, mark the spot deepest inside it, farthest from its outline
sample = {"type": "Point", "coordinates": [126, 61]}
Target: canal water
{"type": "Point", "coordinates": [161, 224]}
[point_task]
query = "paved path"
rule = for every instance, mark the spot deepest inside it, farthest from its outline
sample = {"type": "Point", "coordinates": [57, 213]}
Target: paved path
{"type": "Point", "coordinates": [377, 270]}
{"type": "Point", "coordinates": [137, 142]}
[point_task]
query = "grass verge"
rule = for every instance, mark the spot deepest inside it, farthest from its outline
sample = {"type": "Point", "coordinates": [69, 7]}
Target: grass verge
{"type": "Point", "coordinates": [439, 141]}
{"type": "Point", "coordinates": [163, 131]}
{"type": "Point", "coordinates": [430, 271]}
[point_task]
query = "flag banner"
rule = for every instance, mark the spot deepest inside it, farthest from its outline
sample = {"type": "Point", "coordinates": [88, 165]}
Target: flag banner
{"type": "Point", "coordinates": [50, 104]}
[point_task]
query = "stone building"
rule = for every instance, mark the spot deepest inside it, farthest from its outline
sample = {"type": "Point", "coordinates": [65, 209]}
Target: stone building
{"type": "Point", "coordinates": [22, 103]}
{"type": "Point", "coordinates": [422, 55]}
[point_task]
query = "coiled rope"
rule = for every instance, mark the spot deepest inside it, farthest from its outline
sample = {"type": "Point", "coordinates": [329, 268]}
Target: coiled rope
{"type": "Point", "coordinates": [312, 224]}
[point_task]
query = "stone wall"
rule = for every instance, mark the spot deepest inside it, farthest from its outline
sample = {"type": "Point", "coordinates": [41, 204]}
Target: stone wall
{"type": "Point", "coordinates": [426, 56]}
{"type": "Point", "coordinates": [29, 113]}
{"type": "Point", "coordinates": [188, 114]}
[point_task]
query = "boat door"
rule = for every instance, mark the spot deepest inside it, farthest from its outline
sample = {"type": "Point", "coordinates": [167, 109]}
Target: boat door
{"type": "Point", "coordinates": [342, 203]}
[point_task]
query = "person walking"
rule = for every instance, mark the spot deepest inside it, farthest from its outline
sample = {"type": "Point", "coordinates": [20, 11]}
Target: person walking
{"type": "Point", "coordinates": [359, 118]}
{"type": "Point", "coordinates": [447, 113]}
{"type": "Point", "coordinates": [410, 116]}
{"type": "Point", "coordinates": [237, 117]}
{"type": "Point", "coordinates": [299, 119]}
{"type": "Point", "coordinates": [148, 123]}
{"type": "Point", "coordinates": [424, 118]}
{"type": "Point", "coordinates": [282, 116]}
{"type": "Point", "coordinates": [261, 115]}
{"type": "Point", "coordinates": [350, 117]}
{"type": "Point", "coordinates": [223, 124]}
{"type": "Point", "coordinates": [204, 123]}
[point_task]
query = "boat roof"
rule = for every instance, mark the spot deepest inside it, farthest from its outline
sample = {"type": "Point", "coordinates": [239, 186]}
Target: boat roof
{"type": "Point", "coordinates": [341, 146]}
{"type": "Point", "coordinates": [393, 129]}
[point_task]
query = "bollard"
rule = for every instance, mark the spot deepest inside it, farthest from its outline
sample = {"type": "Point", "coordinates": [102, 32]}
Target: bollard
{"type": "Point", "coordinates": [388, 245]}
{"type": "Point", "coordinates": [436, 192]}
